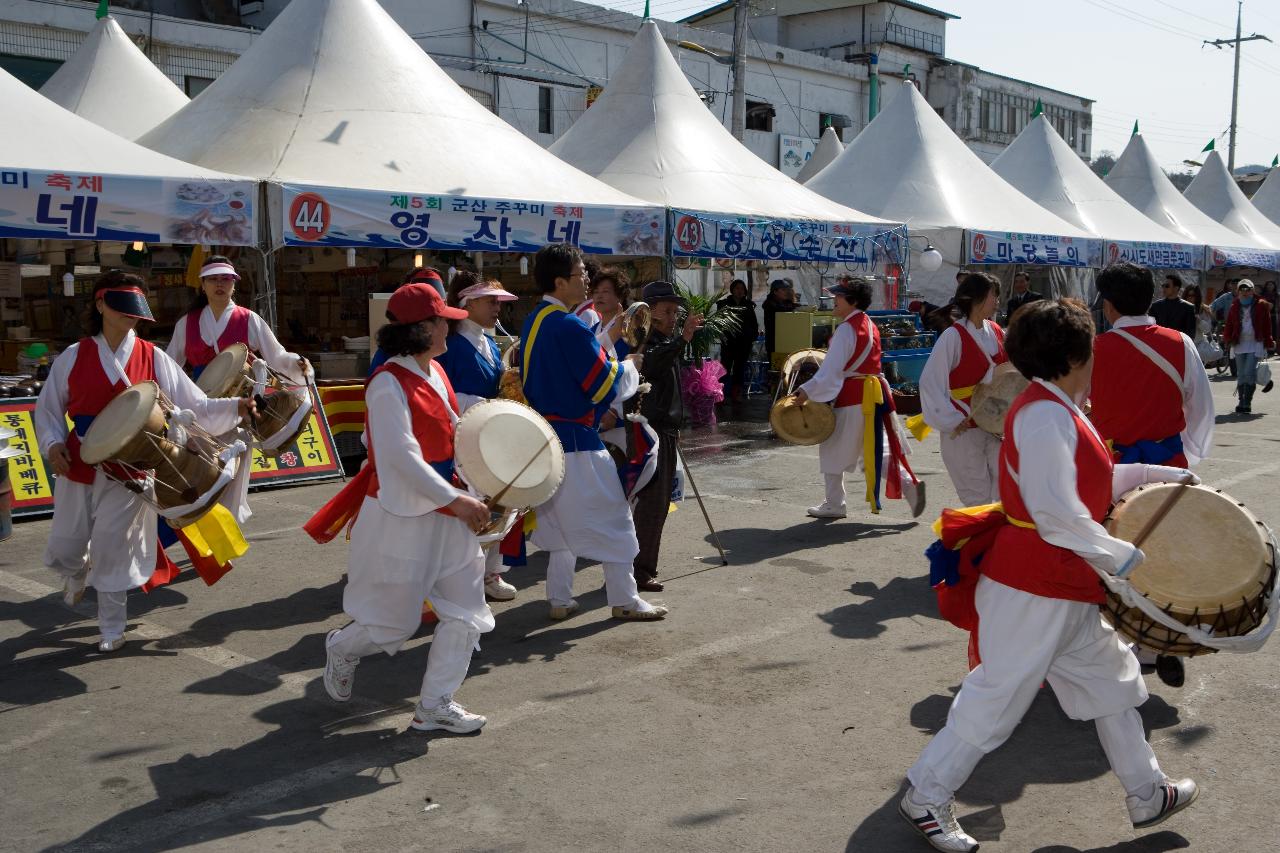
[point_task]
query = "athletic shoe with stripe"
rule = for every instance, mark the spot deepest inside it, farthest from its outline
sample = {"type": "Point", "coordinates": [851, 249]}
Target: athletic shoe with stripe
{"type": "Point", "coordinates": [937, 824]}
{"type": "Point", "coordinates": [1170, 797]}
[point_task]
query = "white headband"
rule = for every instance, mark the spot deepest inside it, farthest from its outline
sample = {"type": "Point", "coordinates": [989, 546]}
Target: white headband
{"type": "Point", "coordinates": [218, 268]}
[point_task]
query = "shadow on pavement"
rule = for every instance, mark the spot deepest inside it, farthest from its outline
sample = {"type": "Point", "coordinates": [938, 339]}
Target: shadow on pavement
{"type": "Point", "coordinates": [748, 546]}
{"type": "Point", "coordinates": [1159, 842]}
{"type": "Point", "coordinates": [900, 598]}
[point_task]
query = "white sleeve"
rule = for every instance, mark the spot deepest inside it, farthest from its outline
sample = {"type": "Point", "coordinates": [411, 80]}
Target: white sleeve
{"type": "Point", "coordinates": [216, 415]}
{"type": "Point", "coordinates": [398, 449]}
{"type": "Point", "coordinates": [50, 416]}
{"type": "Point", "coordinates": [628, 381]}
{"type": "Point", "coordinates": [466, 401]}
{"type": "Point", "coordinates": [826, 383]}
{"type": "Point", "coordinates": [935, 383]}
{"type": "Point", "coordinates": [262, 339]}
{"type": "Point", "coordinates": [177, 349]}
{"type": "Point", "coordinates": [1197, 438]}
{"type": "Point", "coordinates": [1045, 435]}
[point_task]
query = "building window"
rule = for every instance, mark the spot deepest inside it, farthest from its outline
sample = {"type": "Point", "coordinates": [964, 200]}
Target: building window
{"type": "Point", "coordinates": [34, 72]}
{"type": "Point", "coordinates": [760, 116]}
{"type": "Point", "coordinates": [545, 122]}
{"type": "Point", "coordinates": [195, 85]}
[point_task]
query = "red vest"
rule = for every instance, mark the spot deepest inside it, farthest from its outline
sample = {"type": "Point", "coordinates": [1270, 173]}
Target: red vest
{"type": "Point", "coordinates": [974, 362]}
{"type": "Point", "coordinates": [864, 331]}
{"type": "Point", "coordinates": [236, 332]}
{"type": "Point", "coordinates": [1134, 400]}
{"type": "Point", "coordinates": [430, 421]}
{"type": "Point", "coordinates": [1019, 557]}
{"type": "Point", "coordinates": [89, 391]}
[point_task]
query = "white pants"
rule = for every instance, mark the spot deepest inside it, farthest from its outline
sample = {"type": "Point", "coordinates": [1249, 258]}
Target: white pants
{"type": "Point", "coordinates": [835, 491]}
{"type": "Point", "coordinates": [972, 460]}
{"type": "Point", "coordinates": [1025, 639]}
{"type": "Point", "coordinates": [619, 580]}
{"type": "Point", "coordinates": [236, 497]}
{"type": "Point", "coordinates": [493, 561]}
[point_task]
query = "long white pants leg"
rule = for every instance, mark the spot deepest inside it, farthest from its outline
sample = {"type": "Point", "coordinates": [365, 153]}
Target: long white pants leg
{"type": "Point", "coordinates": [112, 614]}
{"type": "Point", "coordinates": [560, 566]}
{"type": "Point", "coordinates": [448, 660]}
{"type": "Point", "coordinates": [353, 641]}
{"type": "Point", "coordinates": [972, 460]}
{"type": "Point", "coordinates": [834, 489]}
{"type": "Point", "coordinates": [620, 586]}
{"type": "Point", "coordinates": [1132, 758]}
{"type": "Point", "coordinates": [493, 562]}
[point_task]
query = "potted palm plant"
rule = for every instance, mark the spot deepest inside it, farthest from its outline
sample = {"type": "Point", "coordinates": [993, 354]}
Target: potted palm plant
{"type": "Point", "coordinates": [700, 378]}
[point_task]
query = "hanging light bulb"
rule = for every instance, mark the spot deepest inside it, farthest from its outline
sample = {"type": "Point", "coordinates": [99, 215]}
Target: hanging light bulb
{"type": "Point", "coordinates": [930, 259]}
{"type": "Point", "coordinates": [351, 257]}
{"type": "Point", "coordinates": [68, 284]}
{"type": "Point", "coordinates": [524, 265]}
{"type": "Point", "coordinates": [417, 260]}
{"type": "Point", "coordinates": [139, 246]}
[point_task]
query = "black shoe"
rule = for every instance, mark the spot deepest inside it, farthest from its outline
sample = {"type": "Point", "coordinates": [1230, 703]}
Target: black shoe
{"type": "Point", "coordinates": [1170, 670]}
{"type": "Point", "coordinates": [648, 585]}
{"type": "Point", "coordinates": [1266, 389]}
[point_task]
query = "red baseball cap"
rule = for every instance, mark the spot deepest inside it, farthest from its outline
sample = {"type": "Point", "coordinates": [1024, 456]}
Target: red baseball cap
{"type": "Point", "coordinates": [413, 303]}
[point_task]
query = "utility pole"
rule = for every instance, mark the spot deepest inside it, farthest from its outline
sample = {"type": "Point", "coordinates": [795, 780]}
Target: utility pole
{"type": "Point", "coordinates": [738, 116]}
{"type": "Point", "coordinates": [1235, 80]}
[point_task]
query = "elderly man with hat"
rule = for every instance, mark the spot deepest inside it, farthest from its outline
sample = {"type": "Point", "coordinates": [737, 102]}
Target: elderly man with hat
{"type": "Point", "coordinates": [1248, 332]}
{"type": "Point", "coordinates": [663, 408]}
{"type": "Point", "coordinates": [414, 531]}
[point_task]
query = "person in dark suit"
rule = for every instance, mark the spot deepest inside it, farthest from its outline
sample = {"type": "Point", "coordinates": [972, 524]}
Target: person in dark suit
{"type": "Point", "coordinates": [1174, 312]}
{"type": "Point", "coordinates": [735, 349]}
{"type": "Point", "coordinates": [1022, 294]}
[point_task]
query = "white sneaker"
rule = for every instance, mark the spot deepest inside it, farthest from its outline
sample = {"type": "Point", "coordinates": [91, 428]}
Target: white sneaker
{"type": "Point", "coordinates": [498, 589]}
{"type": "Point", "coordinates": [914, 494]}
{"type": "Point", "coordinates": [447, 715]}
{"type": "Point", "coordinates": [73, 587]}
{"type": "Point", "coordinates": [825, 511]}
{"type": "Point", "coordinates": [113, 645]}
{"type": "Point", "coordinates": [1170, 797]}
{"type": "Point", "coordinates": [937, 824]}
{"type": "Point", "coordinates": [560, 612]}
{"type": "Point", "coordinates": [339, 671]}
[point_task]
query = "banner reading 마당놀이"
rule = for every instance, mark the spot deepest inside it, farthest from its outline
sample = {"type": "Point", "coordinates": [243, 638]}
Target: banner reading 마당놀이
{"type": "Point", "coordinates": [90, 206]}
{"type": "Point", "coordinates": [330, 216]}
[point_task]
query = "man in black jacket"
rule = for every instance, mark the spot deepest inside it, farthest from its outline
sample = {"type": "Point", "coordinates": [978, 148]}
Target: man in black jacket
{"type": "Point", "coordinates": [664, 410]}
{"type": "Point", "coordinates": [1174, 312]}
{"type": "Point", "coordinates": [1022, 294]}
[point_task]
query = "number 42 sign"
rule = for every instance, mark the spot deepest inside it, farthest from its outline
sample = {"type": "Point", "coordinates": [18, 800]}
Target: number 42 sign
{"type": "Point", "coordinates": [309, 216]}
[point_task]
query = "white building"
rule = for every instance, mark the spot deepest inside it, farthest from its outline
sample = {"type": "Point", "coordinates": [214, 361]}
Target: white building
{"type": "Point", "coordinates": [538, 63]}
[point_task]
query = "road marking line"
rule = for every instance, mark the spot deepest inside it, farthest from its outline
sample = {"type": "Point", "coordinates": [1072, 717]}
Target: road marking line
{"type": "Point", "coordinates": [1260, 471]}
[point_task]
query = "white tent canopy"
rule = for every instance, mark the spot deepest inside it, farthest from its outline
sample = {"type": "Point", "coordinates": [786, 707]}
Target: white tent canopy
{"type": "Point", "coordinates": [65, 177]}
{"type": "Point", "coordinates": [828, 149]}
{"type": "Point", "coordinates": [650, 135]}
{"type": "Point", "coordinates": [1267, 197]}
{"type": "Point", "coordinates": [1041, 165]}
{"type": "Point", "coordinates": [109, 81]}
{"type": "Point", "coordinates": [334, 94]}
{"type": "Point", "coordinates": [908, 165]}
{"type": "Point", "coordinates": [1139, 180]}
{"type": "Point", "coordinates": [1216, 194]}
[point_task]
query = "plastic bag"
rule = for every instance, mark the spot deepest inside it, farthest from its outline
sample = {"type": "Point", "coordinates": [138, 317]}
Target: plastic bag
{"type": "Point", "coordinates": [1209, 350]}
{"type": "Point", "coordinates": [702, 389]}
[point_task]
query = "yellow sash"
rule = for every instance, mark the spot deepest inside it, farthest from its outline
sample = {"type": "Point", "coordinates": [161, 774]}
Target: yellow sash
{"type": "Point", "coordinates": [872, 396]}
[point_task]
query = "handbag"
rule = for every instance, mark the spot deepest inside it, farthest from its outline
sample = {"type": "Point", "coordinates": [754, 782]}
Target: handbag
{"type": "Point", "coordinates": [1264, 376]}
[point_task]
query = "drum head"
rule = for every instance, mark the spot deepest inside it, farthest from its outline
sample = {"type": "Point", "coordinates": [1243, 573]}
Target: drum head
{"type": "Point", "coordinates": [1209, 551]}
{"type": "Point", "coordinates": [221, 376]}
{"type": "Point", "coordinates": [494, 442]}
{"type": "Point", "coordinates": [991, 400]}
{"type": "Point", "coordinates": [811, 423]}
{"type": "Point", "coordinates": [119, 423]}
{"type": "Point", "coordinates": [812, 358]}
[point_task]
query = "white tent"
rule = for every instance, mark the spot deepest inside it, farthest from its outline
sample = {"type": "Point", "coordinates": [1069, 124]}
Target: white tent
{"type": "Point", "coordinates": [1267, 197]}
{"type": "Point", "coordinates": [376, 146]}
{"type": "Point", "coordinates": [1139, 180]}
{"type": "Point", "coordinates": [1041, 165]}
{"type": "Point", "coordinates": [650, 135]}
{"type": "Point", "coordinates": [908, 165]}
{"type": "Point", "coordinates": [64, 177]}
{"type": "Point", "coordinates": [1216, 194]}
{"type": "Point", "coordinates": [828, 149]}
{"type": "Point", "coordinates": [113, 84]}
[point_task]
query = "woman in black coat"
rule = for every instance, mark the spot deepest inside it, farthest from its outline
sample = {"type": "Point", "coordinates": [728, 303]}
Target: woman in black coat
{"type": "Point", "coordinates": [735, 349]}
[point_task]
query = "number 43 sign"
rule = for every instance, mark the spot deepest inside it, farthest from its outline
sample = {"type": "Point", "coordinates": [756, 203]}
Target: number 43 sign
{"type": "Point", "coordinates": [309, 216]}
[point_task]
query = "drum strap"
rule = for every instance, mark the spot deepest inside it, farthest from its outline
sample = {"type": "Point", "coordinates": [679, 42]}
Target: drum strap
{"type": "Point", "coordinates": [1156, 358]}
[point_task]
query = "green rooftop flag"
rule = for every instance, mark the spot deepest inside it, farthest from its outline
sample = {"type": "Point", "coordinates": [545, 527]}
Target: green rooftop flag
{"type": "Point", "coordinates": [103, 11]}
{"type": "Point", "coordinates": [1275, 161]}
{"type": "Point", "coordinates": [1208, 147]}
{"type": "Point", "coordinates": [1135, 128]}
{"type": "Point", "coordinates": [646, 9]}
{"type": "Point", "coordinates": [1039, 110]}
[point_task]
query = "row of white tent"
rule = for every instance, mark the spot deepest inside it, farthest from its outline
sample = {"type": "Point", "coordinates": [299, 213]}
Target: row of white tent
{"type": "Point", "coordinates": [361, 139]}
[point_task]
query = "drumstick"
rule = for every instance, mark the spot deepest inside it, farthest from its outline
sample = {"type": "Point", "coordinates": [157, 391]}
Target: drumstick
{"type": "Point", "coordinates": [1160, 513]}
{"type": "Point", "coordinates": [493, 501]}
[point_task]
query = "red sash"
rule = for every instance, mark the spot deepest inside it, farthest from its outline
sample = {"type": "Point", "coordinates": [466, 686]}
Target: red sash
{"type": "Point", "coordinates": [89, 390]}
{"type": "Point", "coordinates": [236, 332]}
{"type": "Point", "coordinates": [865, 332]}
{"type": "Point", "coordinates": [1133, 398]}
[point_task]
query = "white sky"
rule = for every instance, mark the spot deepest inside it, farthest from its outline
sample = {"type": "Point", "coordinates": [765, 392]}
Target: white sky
{"type": "Point", "coordinates": [1138, 59]}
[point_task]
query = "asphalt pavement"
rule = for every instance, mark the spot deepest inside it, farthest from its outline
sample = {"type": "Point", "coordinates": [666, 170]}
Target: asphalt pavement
{"type": "Point", "coordinates": [776, 709]}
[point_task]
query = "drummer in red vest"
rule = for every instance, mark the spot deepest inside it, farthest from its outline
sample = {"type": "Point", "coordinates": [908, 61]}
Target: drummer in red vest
{"type": "Point", "coordinates": [849, 373]}
{"type": "Point", "coordinates": [1038, 594]}
{"type": "Point", "coordinates": [962, 359]}
{"type": "Point", "coordinates": [1151, 398]}
{"type": "Point", "coordinates": [414, 531]}
{"type": "Point", "coordinates": [104, 534]}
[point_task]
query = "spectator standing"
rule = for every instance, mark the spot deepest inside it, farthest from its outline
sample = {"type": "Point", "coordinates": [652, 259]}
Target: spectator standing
{"type": "Point", "coordinates": [735, 349]}
{"type": "Point", "coordinates": [1022, 295]}
{"type": "Point", "coordinates": [1249, 333]}
{"type": "Point", "coordinates": [781, 299]}
{"type": "Point", "coordinates": [1172, 311]}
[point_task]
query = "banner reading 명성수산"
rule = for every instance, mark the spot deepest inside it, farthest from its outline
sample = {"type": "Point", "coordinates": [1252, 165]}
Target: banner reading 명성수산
{"type": "Point", "coordinates": [345, 217]}
{"type": "Point", "coordinates": [1001, 247]}
{"type": "Point", "coordinates": [857, 246]}
{"type": "Point", "coordinates": [75, 206]}
{"type": "Point", "coordinates": [1165, 256]}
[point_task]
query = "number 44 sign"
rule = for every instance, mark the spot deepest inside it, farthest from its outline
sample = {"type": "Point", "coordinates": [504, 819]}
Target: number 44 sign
{"type": "Point", "coordinates": [309, 217]}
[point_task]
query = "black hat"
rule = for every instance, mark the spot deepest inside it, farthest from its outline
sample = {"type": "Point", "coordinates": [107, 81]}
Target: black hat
{"type": "Point", "coordinates": [127, 300]}
{"type": "Point", "coordinates": [844, 287]}
{"type": "Point", "coordinates": [660, 291]}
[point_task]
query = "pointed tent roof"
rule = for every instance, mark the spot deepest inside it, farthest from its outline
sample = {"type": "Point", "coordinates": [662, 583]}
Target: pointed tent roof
{"type": "Point", "coordinates": [1041, 165]}
{"type": "Point", "coordinates": [1218, 197]}
{"type": "Point", "coordinates": [1267, 197]}
{"type": "Point", "coordinates": [829, 148]}
{"type": "Point", "coordinates": [908, 165]}
{"type": "Point", "coordinates": [335, 93]}
{"type": "Point", "coordinates": [650, 135]}
{"type": "Point", "coordinates": [113, 84]}
{"type": "Point", "coordinates": [1139, 180]}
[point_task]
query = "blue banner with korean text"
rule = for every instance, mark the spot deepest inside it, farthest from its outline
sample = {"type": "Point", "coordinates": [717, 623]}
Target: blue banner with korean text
{"type": "Point", "coordinates": [1232, 256]}
{"type": "Point", "coordinates": [1001, 247]}
{"type": "Point", "coordinates": [1165, 256]}
{"type": "Point", "coordinates": [859, 247]}
{"type": "Point", "coordinates": [330, 216]}
{"type": "Point", "coordinates": [76, 206]}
